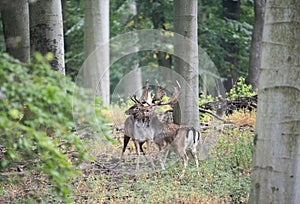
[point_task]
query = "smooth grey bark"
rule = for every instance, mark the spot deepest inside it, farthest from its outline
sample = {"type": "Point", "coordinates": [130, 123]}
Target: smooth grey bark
{"type": "Point", "coordinates": [185, 24]}
{"type": "Point", "coordinates": [96, 48]}
{"type": "Point", "coordinates": [133, 79]}
{"type": "Point", "coordinates": [46, 31]}
{"type": "Point", "coordinates": [276, 156]}
{"type": "Point", "coordinates": [203, 21]}
{"type": "Point", "coordinates": [15, 19]}
{"type": "Point", "coordinates": [256, 43]}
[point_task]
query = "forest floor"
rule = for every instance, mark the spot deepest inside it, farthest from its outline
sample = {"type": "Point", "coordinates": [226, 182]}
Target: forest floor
{"type": "Point", "coordinates": [224, 174]}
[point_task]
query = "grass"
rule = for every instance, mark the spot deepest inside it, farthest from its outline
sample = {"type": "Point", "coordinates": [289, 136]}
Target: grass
{"type": "Point", "coordinates": [224, 175]}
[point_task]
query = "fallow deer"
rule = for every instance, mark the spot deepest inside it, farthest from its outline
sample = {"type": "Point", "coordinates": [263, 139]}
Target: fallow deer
{"type": "Point", "coordinates": [143, 124]}
{"type": "Point", "coordinates": [168, 137]}
{"type": "Point", "coordinates": [179, 142]}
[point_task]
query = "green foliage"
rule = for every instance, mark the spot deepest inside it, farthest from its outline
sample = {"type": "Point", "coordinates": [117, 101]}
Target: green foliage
{"type": "Point", "coordinates": [241, 89]}
{"type": "Point", "coordinates": [2, 44]}
{"type": "Point", "coordinates": [233, 158]}
{"type": "Point", "coordinates": [205, 99]}
{"type": "Point", "coordinates": [36, 120]}
{"type": "Point", "coordinates": [218, 36]}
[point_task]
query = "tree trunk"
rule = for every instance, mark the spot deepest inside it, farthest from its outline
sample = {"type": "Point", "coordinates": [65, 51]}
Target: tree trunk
{"type": "Point", "coordinates": [15, 19]}
{"type": "Point", "coordinates": [203, 22]}
{"type": "Point", "coordinates": [276, 157]}
{"type": "Point", "coordinates": [46, 31]}
{"type": "Point", "coordinates": [256, 43]}
{"type": "Point", "coordinates": [133, 79]}
{"type": "Point", "coordinates": [96, 48]}
{"type": "Point", "coordinates": [232, 10]}
{"type": "Point", "coordinates": [185, 23]}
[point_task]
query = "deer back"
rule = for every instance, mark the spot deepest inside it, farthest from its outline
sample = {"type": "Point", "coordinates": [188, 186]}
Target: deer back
{"type": "Point", "coordinates": [185, 137]}
{"type": "Point", "coordinates": [165, 137]}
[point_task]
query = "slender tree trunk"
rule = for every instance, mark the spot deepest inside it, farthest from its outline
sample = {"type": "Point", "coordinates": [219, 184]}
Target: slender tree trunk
{"type": "Point", "coordinates": [46, 31]}
{"type": "Point", "coordinates": [203, 21]}
{"type": "Point", "coordinates": [232, 10]}
{"type": "Point", "coordinates": [133, 79]}
{"type": "Point", "coordinates": [96, 48]}
{"type": "Point", "coordinates": [256, 43]}
{"type": "Point", "coordinates": [276, 157]}
{"type": "Point", "coordinates": [185, 23]}
{"type": "Point", "coordinates": [15, 19]}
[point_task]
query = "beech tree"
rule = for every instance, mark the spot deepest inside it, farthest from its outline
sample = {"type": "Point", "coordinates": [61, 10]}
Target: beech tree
{"type": "Point", "coordinates": [256, 43]}
{"type": "Point", "coordinates": [96, 48]}
{"type": "Point", "coordinates": [185, 24]}
{"type": "Point", "coordinates": [15, 20]}
{"type": "Point", "coordinates": [46, 31]}
{"type": "Point", "coordinates": [133, 81]}
{"type": "Point", "coordinates": [276, 157]}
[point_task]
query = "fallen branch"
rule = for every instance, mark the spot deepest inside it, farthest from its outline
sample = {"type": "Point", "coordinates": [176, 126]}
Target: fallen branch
{"type": "Point", "coordinates": [228, 106]}
{"type": "Point", "coordinates": [216, 116]}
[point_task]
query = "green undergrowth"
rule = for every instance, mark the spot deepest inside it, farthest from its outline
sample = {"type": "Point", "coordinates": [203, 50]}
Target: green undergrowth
{"type": "Point", "coordinates": [224, 177]}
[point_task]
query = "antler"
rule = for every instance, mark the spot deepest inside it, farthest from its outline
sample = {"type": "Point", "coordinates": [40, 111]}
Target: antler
{"type": "Point", "coordinates": [159, 94]}
{"type": "Point", "coordinates": [175, 97]}
{"type": "Point", "coordinates": [146, 95]}
{"type": "Point", "coordinates": [135, 100]}
{"type": "Point", "coordinates": [142, 106]}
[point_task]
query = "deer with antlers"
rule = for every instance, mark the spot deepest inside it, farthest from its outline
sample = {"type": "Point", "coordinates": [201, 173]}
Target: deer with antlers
{"type": "Point", "coordinates": [143, 125]}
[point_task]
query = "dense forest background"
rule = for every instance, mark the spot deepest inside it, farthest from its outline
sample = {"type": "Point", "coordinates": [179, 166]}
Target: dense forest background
{"type": "Point", "coordinates": [226, 40]}
{"type": "Point", "coordinates": [224, 33]}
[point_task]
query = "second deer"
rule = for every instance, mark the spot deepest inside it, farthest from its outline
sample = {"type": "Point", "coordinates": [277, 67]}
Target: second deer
{"type": "Point", "coordinates": [184, 138]}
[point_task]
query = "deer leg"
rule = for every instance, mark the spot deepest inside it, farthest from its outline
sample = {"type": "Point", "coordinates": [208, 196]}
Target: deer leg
{"type": "Point", "coordinates": [141, 147]}
{"type": "Point", "coordinates": [166, 155]}
{"type": "Point", "coordinates": [126, 140]}
{"type": "Point", "coordinates": [194, 154]}
{"type": "Point", "coordinates": [185, 163]}
{"type": "Point", "coordinates": [163, 160]}
{"type": "Point", "coordinates": [137, 148]}
{"type": "Point", "coordinates": [150, 157]}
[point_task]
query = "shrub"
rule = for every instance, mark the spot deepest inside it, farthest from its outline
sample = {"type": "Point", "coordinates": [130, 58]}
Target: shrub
{"type": "Point", "coordinates": [36, 120]}
{"type": "Point", "coordinates": [241, 89]}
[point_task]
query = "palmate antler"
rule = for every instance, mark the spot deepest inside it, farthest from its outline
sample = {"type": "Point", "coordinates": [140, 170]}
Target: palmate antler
{"type": "Point", "coordinates": [145, 106]}
{"type": "Point", "coordinates": [146, 95]}
{"type": "Point", "coordinates": [175, 97]}
{"type": "Point", "coordinates": [159, 94]}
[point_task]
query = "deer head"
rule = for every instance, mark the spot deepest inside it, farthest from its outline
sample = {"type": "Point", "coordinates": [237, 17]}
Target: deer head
{"type": "Point", "coordinates": [145, 107]}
